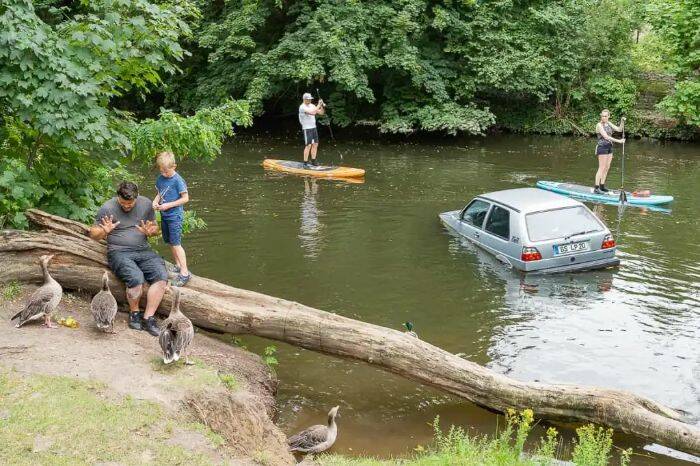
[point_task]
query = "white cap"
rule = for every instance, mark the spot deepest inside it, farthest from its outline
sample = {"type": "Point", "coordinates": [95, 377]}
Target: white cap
{"type": "Point", "coordinates": [307, 96]}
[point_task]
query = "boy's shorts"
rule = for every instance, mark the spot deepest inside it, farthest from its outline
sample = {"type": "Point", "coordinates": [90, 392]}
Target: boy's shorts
{"type": "Point", "coordinates": [137, 267]}
{"type": "Point", "coordinates": [171, 227]}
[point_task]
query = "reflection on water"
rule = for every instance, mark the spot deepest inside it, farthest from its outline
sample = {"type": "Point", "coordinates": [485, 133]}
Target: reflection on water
{"type": "Point", "coordinates": [310, 227]}
{"type": "Point", "coordinates": [376, 252]}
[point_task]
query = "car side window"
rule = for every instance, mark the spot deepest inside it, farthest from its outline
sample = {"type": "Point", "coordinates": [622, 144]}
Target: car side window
{"type": "Point", "coordinates": [498, 222]}
{"type": "Point", "coordinates": [475, 212]}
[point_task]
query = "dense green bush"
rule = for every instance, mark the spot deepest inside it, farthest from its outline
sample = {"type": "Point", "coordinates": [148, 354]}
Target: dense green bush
{"type": "Point", "coordinates": [408, 65]}
{"type": "Point", "coordinates": [676, 24]}
{"type": "Point", "coordinates": [62, 67]}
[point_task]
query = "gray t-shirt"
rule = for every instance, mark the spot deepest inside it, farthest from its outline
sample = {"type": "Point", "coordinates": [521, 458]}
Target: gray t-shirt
{"type": "Point", "coordinates": [307, 121]}
{"type": "Point", "coordinates": [125, 237]}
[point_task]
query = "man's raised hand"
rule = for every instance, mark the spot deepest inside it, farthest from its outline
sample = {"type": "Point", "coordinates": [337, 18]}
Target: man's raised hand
{"type": "Point", "coordinates": [148, 228]}
{"type": "Point", "coordinates": [108, 224]}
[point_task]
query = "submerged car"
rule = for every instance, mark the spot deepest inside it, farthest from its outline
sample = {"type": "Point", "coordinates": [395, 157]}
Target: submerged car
{"type": "Point", "coordinates": [534, 230]}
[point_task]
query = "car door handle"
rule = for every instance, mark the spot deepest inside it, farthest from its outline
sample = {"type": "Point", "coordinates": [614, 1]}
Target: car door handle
{"type": "Point", "coordinates": [476, 234]}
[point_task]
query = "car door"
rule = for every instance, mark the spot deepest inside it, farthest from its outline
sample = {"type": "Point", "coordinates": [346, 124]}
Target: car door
{"type": "Point", "coordinates": [471, 220]}
{"type": "Point", "coordinates": [496, 232]}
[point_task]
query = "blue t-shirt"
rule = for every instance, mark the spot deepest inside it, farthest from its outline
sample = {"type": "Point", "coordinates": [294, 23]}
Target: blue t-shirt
{"type": "Point", "coordinates": [170, 190]}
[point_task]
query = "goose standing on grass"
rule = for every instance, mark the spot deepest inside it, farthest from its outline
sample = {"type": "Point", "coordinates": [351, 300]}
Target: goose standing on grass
{"type": "Point", "coordinates": [104, 307]}
{"type": "Point", "coordinates": [44, 300]}
{"type": "Point", "coordinates": [316, 439]}
{"type": "Point", "coordinates": [176, 332]}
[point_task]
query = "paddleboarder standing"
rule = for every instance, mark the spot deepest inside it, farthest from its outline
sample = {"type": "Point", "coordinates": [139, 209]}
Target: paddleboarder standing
{"type": "Point", "coordinates": [307, 119]}
{"type": "Point", "coordinates": [603, 149]}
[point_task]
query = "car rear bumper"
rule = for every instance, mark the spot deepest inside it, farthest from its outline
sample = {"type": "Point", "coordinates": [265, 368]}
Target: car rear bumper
{"type": "Point", "coordinates": [581, 267]}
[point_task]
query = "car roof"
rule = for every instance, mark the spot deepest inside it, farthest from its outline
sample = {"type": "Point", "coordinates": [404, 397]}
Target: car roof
{"type": "Point", "coordinates": [530, 199]}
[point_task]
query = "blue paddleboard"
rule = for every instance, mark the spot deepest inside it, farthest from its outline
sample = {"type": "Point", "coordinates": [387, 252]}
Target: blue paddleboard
{"type": "Point", "coordinates": [613, 197]}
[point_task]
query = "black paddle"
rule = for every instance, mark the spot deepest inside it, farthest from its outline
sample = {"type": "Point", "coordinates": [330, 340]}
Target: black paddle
{"type": "Point", "coordinates": [330, 129]}
{"type": "Point", "coordinates": [623, 194]}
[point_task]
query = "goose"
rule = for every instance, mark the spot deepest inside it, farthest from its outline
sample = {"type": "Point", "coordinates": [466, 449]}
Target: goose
{"type": "Point", "coordinates": [316, 439]}
{"type": "Point", "coordinates": [44, 300]}
{"type": "Point", "coordinates": [104, 307]}
{"type": "Point", "coordinates": [176, 332]}
{"type": "Point", "coordinates": [409, 329]}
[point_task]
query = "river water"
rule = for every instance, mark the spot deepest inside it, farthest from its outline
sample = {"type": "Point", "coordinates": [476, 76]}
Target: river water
{"type": "Point", "coordinates": [377, 252]}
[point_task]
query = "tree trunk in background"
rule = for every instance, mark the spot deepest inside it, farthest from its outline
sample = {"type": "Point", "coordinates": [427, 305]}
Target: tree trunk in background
{"type": "Point", "coordinates": [79, 263]}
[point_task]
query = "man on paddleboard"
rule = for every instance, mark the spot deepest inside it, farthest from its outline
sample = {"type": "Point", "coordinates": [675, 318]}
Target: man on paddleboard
{"type": "Point", "coordinates": [307, 118]}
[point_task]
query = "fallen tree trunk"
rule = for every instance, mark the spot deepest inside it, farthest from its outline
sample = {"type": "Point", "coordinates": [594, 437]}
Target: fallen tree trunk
{"type": "Point", "coordinates": [80, 261]}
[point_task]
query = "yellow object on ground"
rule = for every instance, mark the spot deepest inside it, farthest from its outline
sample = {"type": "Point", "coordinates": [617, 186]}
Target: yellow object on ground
{"type": "Point", "coordinates": [68, 322]}
{"type": "Point", "coordinates": [321, 171]}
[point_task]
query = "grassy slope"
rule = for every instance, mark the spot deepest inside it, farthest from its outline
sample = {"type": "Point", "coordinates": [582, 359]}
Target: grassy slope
{"type": "Point", "coordinates": [73, 422]}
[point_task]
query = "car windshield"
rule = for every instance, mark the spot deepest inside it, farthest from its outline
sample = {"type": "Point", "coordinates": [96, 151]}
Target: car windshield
{"type": "Point", "coordinates": [561, 223]}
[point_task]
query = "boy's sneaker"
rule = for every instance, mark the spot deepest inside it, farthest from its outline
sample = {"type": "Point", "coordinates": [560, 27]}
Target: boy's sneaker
{"type": "Point", "coordinates": [151, 326]}
{"type": "Point", "coordinates": [181, 280]}
{"type": "Point", "coordinates": [136, 320]}
{"type": "Point", "coordinates": [314, 162]}
{"type": "Point", "coordinates": [305, 165]}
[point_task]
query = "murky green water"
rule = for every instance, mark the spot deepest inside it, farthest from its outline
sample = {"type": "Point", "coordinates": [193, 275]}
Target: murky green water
{"type": "Point", "coordinates": [376, 252]}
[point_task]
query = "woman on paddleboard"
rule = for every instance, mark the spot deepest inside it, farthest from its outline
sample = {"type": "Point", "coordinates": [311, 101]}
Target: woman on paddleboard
{"type": "Point", "coordinates": [604, 129]}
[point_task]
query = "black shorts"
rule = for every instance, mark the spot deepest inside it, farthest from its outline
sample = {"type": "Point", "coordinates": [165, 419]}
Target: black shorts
{"type": "Point", "coordinates": [310, 136]}
{"type": "Point", "coordinates": [137, 267]}
{"type": "Point", "coordinates": [604, 149]}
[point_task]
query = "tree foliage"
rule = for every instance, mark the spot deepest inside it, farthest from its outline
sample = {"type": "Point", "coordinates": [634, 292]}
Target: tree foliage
{"type": "Point", "coordinates": [61, 69]}
{"type": "Point", "coordinates": [677, 23]}
{"type": "Point", "coordinates": [407, 65]}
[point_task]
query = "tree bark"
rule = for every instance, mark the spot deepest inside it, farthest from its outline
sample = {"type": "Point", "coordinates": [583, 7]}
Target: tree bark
{"type": "Point", "coordinates": [79, 264]}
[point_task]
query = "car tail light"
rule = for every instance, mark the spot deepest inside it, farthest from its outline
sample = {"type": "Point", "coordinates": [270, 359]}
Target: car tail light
{"type": "Point", "coordinates": [530, 254]}
{"type": "Point", "coordinates": [608, 242]}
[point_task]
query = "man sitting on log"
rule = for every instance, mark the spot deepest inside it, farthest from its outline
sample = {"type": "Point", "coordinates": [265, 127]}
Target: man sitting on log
{"type": "Point", "coordinates": [126, 221]}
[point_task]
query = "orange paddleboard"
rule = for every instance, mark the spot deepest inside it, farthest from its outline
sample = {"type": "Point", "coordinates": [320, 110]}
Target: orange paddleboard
{"type": "Point", "coordinates": [321, 171]}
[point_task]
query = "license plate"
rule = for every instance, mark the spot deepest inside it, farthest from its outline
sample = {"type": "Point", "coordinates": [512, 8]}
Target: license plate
{"type": "Point", "coordinates": [570, 248]}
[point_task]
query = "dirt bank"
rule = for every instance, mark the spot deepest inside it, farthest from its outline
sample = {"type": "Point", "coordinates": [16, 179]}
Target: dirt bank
{"type": "Point", "coordinates": [228, 394]}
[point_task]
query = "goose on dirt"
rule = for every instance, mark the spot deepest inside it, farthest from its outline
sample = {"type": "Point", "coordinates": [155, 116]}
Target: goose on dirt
{"type": "Point", "coordinates": [176, 332]}
{"type": "Point", "coordinates": [104, 307]}
{"type": "Point", "coordinates": [44, 300]}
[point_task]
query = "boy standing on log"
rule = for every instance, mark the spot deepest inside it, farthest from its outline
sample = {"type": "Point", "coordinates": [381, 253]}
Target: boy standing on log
{"type": "Point", "coordinates": [172, 195]}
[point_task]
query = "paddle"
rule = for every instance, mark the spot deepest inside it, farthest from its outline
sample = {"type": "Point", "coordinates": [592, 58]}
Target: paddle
{"type": "Point", "coordinates": [330, 129]}
{"type": "Point", "coordinates": [623, 194]}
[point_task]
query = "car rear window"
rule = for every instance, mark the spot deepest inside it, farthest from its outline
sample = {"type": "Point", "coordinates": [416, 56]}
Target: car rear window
{"type": "Point", "coordinates": [558, 223]}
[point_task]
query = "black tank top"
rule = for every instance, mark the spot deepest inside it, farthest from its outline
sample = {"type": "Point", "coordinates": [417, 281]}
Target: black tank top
{"type": "Point", "coordinates": [608, 129]}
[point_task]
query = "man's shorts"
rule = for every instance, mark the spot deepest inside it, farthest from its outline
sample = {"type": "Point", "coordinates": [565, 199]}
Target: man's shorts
{"type": "Point", "coordinates": [310, 136]}
{"type": "Point", "coordinates": [171, 227]}
{"type": "Point", "coordinates": [137, 267]}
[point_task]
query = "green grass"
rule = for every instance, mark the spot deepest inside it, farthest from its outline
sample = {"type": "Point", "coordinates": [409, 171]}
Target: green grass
{"type": "Point", "coordinates": [195, 377]}
{"type": "Point", "coordinates": [11, 290]}
{"type": "Point", "coordinates": [82, 424]}
{"type": "Point", "coordinates": [229, 381]}
{"type": "Point", "coordinates": [507, 448]}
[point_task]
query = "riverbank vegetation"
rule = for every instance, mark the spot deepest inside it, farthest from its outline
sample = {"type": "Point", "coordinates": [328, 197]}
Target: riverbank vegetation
{"type": "Point", "coordinates": [89, 87]}
{"type": "Point", "coordinates": [593, 447]}
{"type": "Point", "coordinates": [452, 67]}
